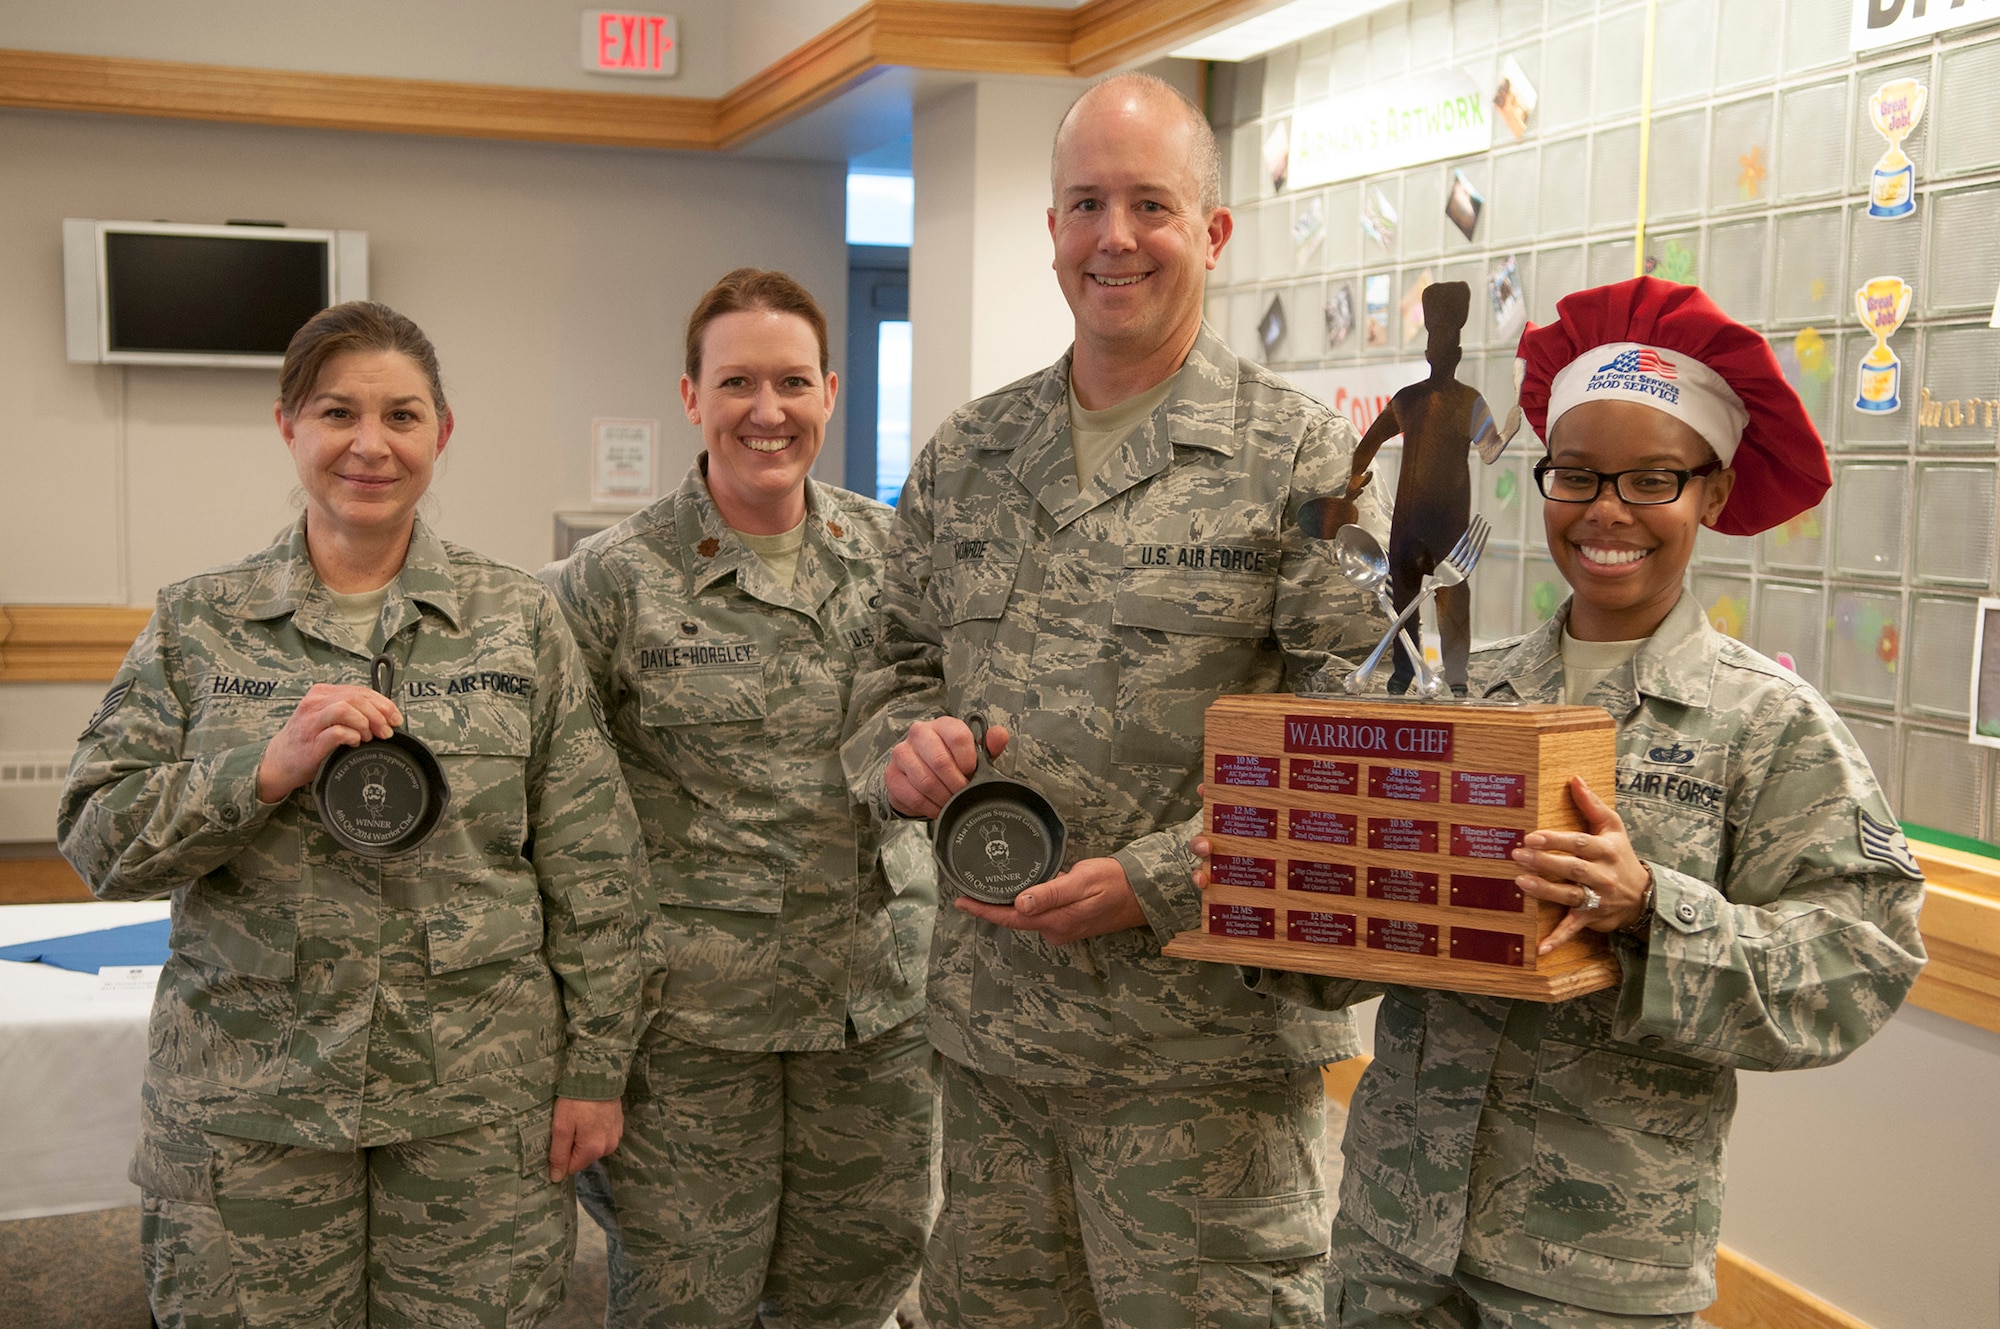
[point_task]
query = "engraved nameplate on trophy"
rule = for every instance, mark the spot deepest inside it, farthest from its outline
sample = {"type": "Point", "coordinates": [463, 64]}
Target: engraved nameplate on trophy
{"type": "Point", "coordinates": [1374, 840]}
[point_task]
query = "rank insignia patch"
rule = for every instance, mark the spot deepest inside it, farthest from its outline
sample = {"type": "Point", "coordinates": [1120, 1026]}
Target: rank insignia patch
{"type": "Point", "coordinates": [1884, 843]}
{"type": "Point", "coordinates": [106, 707]}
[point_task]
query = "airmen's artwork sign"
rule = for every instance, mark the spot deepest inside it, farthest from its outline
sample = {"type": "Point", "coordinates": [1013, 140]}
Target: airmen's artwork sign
{"type": "Point", "coordinates": [1423, 119]}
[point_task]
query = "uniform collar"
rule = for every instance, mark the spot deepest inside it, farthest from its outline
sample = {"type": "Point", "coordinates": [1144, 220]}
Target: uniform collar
{"type": "Point", "coordinates": [1199, 412]}
{"type": "Point", "coordinates": [287, 583]}
{"type": "Point", "coordinates": [426, 579]}
{"type": "Point", "coordinates": [1677, 663]}
{"type": "Point", "coordinates": [711, 551]}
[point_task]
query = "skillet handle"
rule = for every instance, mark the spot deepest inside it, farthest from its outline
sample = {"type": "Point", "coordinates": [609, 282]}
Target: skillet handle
{"type": "Point", "coordinates": [382, 675]}
{"type": "Point", "coordinates": [977, 724]}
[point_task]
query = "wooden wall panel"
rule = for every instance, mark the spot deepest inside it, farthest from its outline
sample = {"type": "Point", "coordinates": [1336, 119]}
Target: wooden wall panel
{"type": "Point", "coordinates": [1110, 33]}
{"type": "Point", "coordinates": [40, 881]}
{"type": "Point", "coordinates": [65, 643]}
{"type": "Point", "coordinates": [179, 91]}
{"type": "Point", "coordinates": [973, 38]}
{"type": "Point", "coordinates": [816, 72]}
{"type": "Point", "coordinates": [1749, 1296]}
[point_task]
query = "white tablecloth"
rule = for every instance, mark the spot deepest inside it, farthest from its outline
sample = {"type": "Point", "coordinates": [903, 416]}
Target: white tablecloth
{"type": "Point", "coordinates": [70, 1065]}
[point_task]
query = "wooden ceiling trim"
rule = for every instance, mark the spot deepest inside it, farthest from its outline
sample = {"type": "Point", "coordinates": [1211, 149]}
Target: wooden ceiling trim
{"type": "Point", "coordinates": [973, 38]}
{"type": "Point", "coordinates": [1110, 33]}
{"type": "Point", "coordinates": [917, 34]}
{"type": "Point", "coordinates": [806, 77]}
{"type": "Point", "coordinates": [51, 81]}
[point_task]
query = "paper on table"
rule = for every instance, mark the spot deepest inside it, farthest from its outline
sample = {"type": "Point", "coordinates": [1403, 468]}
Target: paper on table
{"type": "Point", "coordinates": [121, 980]}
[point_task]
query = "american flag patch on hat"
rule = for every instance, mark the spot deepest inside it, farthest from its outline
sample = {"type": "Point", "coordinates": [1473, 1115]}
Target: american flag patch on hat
{"type": "Point", "coordinates": [1640, 360]}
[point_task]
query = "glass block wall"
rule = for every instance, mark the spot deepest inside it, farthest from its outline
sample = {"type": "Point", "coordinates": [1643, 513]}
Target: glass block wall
{"type": "Point", "coordinates": [1761, 154]}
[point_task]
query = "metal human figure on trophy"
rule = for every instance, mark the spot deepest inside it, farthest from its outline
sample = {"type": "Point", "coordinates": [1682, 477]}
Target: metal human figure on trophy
{"type": "Point", "coordinates": [1433, 538]}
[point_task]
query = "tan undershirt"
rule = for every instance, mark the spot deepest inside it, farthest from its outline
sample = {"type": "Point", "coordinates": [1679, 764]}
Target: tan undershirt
{"type": "Point", "coordinates": [780, 552]}
{"type": "Point", "coordinates": [361, 611]}
{"type": "Point", "coordinates": [1588, 663]}
{"type": "Point", "coordinates": [1097, 434]}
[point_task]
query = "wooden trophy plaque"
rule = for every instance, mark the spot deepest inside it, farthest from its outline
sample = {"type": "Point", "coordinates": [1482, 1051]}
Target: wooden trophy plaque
{"type": "Point", "coordinates": [1372, 840]}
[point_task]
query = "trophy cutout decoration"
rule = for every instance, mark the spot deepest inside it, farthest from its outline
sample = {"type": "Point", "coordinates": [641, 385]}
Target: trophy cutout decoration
{"type": "Point", "coordinates": [1433, 540]}
{"type": "Point", "coordinates": [1895, 108]}
{"type": "Point", "coordinates": [1372, 837]}
{"type": "Point", "coordinates": [1882, 304]}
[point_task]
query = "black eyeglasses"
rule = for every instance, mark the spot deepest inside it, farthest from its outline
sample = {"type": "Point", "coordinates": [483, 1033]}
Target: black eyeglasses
{"type": "Point", "coordinates": [1641, 488]}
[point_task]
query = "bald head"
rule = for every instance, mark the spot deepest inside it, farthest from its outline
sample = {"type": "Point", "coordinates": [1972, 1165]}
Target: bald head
{"type": "Point", "coordinates": [1133, 92]}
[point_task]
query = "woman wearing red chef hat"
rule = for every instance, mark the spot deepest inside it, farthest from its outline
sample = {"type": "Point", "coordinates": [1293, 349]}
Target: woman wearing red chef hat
{"type": "Point", "coordinates": [1511, 1163]}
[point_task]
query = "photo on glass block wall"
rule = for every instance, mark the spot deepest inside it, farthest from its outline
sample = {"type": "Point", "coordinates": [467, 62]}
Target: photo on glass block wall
{"type": "Point", "coordinates": [1986, 675]}
{"type": "Point", "coordinates": [1308, 233]}
{"type": "Point", "coordinates": [1339, 315]}
{"type": "Point", "coordinates": [1412, 307]}
{"type": "Point", "coordinates": [1271, 328]}
{"type": "Point", "coordinates": [1378, 219]}
{"type": "Point", "coordinates": [1278, 155]}
{"type": "Point", "coordinates": [1515, 98]}
{"type": "Point", "coordinates": [1462, 205]}
{"type": "Point", "coordinates": [1375, 299]}
{"type": "Point", "coordinates": [1510, 309]}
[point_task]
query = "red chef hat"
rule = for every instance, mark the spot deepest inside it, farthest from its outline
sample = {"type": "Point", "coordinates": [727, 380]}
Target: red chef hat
{"type": "Point", "coordinates": [1670, 347]}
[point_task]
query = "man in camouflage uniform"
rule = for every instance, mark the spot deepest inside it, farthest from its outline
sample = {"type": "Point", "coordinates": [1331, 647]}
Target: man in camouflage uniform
{"type": "Point", "coordinates": [348, 1104]}
{"type": "Point", "coordinates": [779, 1119]}
{"type": "Point", "coordinates": [1518, 1164]}
{"type": "Point", "coordinates": [1129, 1139]}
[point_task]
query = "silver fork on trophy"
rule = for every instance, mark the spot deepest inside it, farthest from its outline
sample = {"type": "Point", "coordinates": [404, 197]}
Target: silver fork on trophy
{"type": "Point", "coordinates": [1457, 566]}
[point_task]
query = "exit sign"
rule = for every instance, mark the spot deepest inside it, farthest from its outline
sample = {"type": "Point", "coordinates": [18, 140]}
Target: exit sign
{"type": "Point", "coordinates": [618, 42]}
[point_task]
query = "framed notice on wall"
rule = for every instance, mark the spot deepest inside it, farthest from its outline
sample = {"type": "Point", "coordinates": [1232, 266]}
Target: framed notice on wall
{"type": "Point", "coordinates": [624, 462]}
{"type": "Point", "coordinates": [1985, 729]}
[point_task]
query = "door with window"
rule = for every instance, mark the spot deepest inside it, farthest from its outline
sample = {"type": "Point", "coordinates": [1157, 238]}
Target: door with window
{"type": "Point", "coordinates": [878, 369]}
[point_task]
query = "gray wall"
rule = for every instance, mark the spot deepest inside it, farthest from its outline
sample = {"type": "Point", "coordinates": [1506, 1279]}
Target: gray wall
{"type": "Point", "coordinates": [554, 280]}
{"type": "Point", "coordinates": [529, 43]}
{"type": "Point", "coordinates": [1876, 1183]}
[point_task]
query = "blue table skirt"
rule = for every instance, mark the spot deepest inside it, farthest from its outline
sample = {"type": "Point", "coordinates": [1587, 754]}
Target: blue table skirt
{"type": "Point", "coordinates": [87, 952]}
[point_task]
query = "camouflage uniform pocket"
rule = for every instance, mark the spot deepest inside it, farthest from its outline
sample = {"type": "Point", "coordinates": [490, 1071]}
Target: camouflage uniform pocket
{"type": "Point", "coordinates": [492, 999]}
{"type": "Point", "coordinates": [1261, 1260]}
{"type": "Point", "coordinates": [710, 723]}
{"type": "Point", "coordinates": [1202, 603]}
{"type": "Point", "coordinates": [1177, 633]}
{"type": "Point", "coordinates": [228, 936]}
{"type": "Point", "coordinates": [1381, 1124]}
{"type": "Point", "coordinates": [228, 1001]}
{"type": "Point", "coordinates": [972, 580]}
{"type": "Point", "coordinates": [183, 1248]}
{"type": "Point", "coordinates": [544, 1232]}
{"type": "Point", "coordinates": [1627, 1155]}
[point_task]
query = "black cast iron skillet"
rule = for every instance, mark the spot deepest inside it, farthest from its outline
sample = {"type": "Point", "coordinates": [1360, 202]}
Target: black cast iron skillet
{"type": "Point", "coordinates": [387, 795]}
{"type": "Point", "coordinates": [997, 836]}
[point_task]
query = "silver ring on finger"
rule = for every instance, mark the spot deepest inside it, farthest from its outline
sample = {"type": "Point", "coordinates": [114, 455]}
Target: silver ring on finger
{"type": "Point", "coordinates": [1591, 901]}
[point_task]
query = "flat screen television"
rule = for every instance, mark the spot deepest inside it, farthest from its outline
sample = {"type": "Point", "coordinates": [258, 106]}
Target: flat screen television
{"type": "Point", "coordinates": [163, 293]}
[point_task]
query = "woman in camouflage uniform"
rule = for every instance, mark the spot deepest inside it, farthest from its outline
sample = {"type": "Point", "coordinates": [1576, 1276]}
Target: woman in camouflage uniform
{"type": "Point", "coordinates": [778, 1144]}
{"type": "Point", "coordinates": [1515, 1164]}
{"type": "Point", "coordinates": [370, 1078]}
